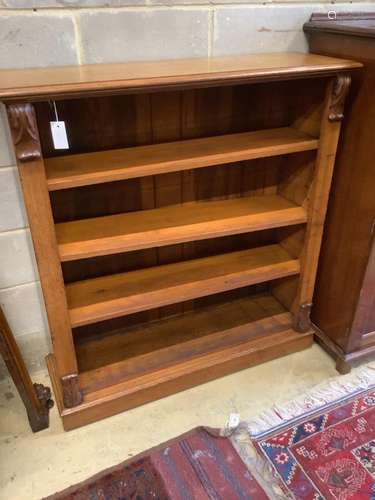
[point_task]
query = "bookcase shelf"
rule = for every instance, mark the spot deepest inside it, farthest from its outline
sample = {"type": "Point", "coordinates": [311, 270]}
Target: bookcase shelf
{"type": "Point", "coordinates": [115, 295]}
{"type": "Point", "coordinates": [179, 332]}
{"type": "Point", "coordinates": [174, 224]}
{"type": "Point", "coordinates": [178, 240]}
{"type": "Point", "coordinates": [93, 168]}
{"type": "Point", "coordinates": [215, 333]}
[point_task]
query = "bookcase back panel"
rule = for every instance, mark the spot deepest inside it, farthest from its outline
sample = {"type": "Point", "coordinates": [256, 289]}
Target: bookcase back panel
{"type": "Point", "coordinates": [104, 328]}
{"type": "Point", "coordinates": [139, 259]}
{"type": "Point", "coordinates": [289, 176]}
{"type": "Point", "coordinates": [247, 178]}
{"type": "Point", "coordinates": [102, 123]}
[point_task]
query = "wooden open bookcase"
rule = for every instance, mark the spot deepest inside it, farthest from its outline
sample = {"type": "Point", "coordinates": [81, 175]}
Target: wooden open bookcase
{"type": "Point", "coordinates": [178, 239]}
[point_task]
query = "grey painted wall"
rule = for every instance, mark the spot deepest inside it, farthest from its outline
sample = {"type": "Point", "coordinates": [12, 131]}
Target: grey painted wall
{"type": "Point", "coordinates": [60, 32]}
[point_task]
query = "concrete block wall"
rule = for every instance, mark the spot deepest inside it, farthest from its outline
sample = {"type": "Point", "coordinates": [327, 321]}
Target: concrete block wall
{"type": "Point", "coordinates": [60, 32]}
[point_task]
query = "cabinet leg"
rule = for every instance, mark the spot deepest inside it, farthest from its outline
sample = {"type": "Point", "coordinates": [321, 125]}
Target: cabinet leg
{"type": "Point", "coordinates": [35, 397]}
{"type": "Point", "coordinates": [342, 366]}
{"type": "Point", "coordinates": [40, 420]}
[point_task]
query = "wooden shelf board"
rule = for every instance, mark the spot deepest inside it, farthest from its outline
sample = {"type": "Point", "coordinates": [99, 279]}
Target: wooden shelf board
{"type": "Point", "coordinates": [106, 166]}
{"type": "Point", "coordinates": [98, 299]}
{"type": "Point", "coordinates": [134, 352]}
{"type": "Point", "coordinates": [174, 224]}
{"type": "Point", "coordinates": [252, 349]}
{"type": "Point", "coordinates": [193, 350]}
{"type": "Point", "coordinates": [161, 335]}
{"type": "Point", "coordinates": [182, 368]}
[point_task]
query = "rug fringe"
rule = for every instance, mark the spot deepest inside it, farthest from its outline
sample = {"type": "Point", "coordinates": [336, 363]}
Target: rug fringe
{"type": "Point", "coordinates": [323, 394]}
{"type": "Point", "coordinates": [258, 467]}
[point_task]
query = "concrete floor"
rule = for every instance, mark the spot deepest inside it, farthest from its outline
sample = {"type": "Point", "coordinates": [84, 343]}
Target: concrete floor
{"type": "Point", "coordinates": [35, 465]}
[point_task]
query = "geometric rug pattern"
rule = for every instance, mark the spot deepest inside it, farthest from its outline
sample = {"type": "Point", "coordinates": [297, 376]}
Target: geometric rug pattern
{"type": "Point", "coordinates": [328, 456]}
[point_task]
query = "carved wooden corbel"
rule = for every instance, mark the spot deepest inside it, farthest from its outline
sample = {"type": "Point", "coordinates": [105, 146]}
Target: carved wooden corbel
{"type": "Point", "coordinates": [339, 93]}
{"type": "Point", "coordinates": [72, 394]}
{"type": "Point", "coordinates": [302, 318]}
{"type": "Point", "coordinates": [44, 395]}
{"type": "Point", "coordinates": [24, 131]}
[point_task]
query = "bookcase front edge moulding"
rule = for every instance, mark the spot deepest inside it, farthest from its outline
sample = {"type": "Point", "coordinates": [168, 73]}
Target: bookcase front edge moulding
{"type": "Point", "coordinates": [177, 240]}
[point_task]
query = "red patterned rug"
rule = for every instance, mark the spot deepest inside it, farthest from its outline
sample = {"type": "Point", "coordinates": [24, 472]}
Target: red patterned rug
{"type": "Point", "coordinates": [329, 455]}
{"type": "Point", "coordinates": [196, 466]}
{"type": "Point", "coordinates": [320, 446]}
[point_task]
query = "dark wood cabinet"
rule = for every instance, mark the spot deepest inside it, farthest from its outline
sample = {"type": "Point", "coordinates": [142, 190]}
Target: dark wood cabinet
{"type": "Point", "coordinates": [344, 300]}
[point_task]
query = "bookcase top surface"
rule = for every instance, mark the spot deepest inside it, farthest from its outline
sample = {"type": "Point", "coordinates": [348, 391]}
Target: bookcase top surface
{"type": "Point", "coordinates": [76, 81]}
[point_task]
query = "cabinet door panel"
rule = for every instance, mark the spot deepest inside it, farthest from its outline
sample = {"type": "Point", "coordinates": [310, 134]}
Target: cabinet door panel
{"type": "Point", "coordinates": [364, 320]}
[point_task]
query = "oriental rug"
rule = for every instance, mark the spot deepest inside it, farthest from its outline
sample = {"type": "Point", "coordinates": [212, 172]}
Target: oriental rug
{"type": "Point", "coordinates": [199, 465]}
{"type": "Point", "coordinates": [320, 446]}
{"type": "Point", "coordinates": [327, 451]}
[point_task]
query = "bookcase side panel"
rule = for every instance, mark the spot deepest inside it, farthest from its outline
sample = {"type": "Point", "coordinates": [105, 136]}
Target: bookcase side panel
{"type": "Point", "coordinates": [337, 90]}
{"type": "Point", "coordinates": [30, 163]}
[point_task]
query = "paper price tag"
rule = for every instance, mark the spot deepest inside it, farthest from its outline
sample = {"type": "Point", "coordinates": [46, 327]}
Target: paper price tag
{"type": "Point", "coordinates": [234, 421]}
{"type": "Point", "coordinates": [59, 137]}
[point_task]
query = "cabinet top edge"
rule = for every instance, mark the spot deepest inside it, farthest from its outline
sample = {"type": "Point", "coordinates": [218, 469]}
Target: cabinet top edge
{"type": "Point", "coordinates": [348, 23]}
{"type": "Point", "coordinates": [98, 79]}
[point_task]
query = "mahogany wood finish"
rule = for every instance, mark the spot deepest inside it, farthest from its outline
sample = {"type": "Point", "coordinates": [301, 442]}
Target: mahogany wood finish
{"type": "Point", "coordinates": [178, 240]}
{"type": "Point", "coordinates": [35, 397]}
{"type": "Point", "coordinates": [345, 292]}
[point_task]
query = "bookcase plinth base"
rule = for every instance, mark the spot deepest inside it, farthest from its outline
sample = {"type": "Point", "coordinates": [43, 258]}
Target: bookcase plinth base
{"type": "Point", "coordinates": [130, 394]}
